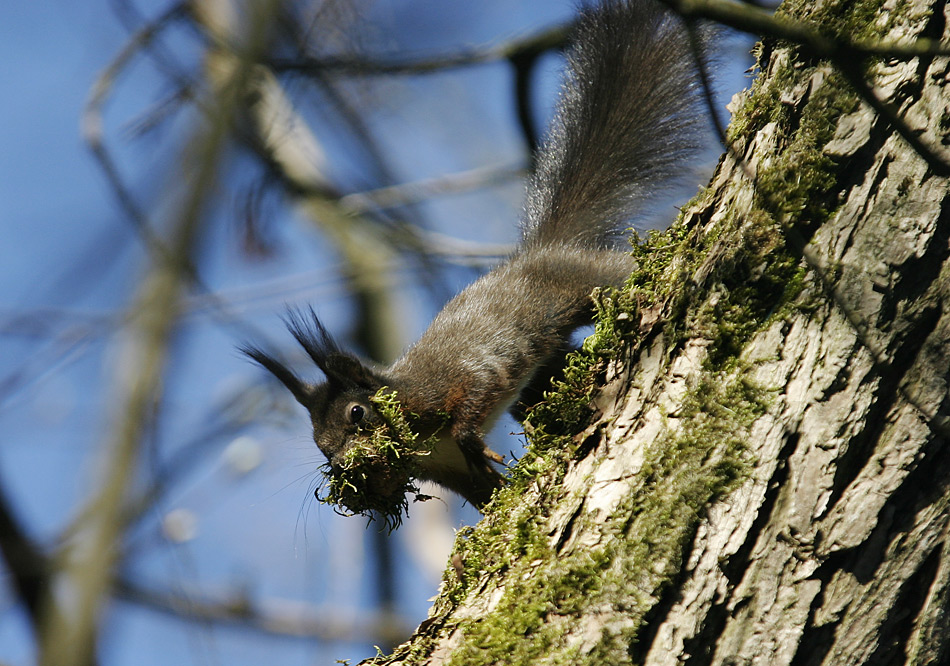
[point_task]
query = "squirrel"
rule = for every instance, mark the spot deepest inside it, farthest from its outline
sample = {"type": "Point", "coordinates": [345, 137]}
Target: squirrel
{"type": "Point", "coordinates": [628, 117]}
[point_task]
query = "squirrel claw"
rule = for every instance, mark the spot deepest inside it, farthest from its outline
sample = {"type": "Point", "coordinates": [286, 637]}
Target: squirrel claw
{"type": "Point", "coordinates": [494, 457]}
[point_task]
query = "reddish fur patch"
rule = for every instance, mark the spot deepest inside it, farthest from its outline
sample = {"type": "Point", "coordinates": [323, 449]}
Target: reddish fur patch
{"type": "Point", "coordinates": [454, 399]}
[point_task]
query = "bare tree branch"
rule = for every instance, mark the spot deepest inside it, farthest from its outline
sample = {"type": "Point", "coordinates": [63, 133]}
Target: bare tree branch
{"type": "Point", "coordinates": [86, 568]}
{"type": "Point", "coordinates": [848, 56]}
{"type": "Point", "coordinates": [28, 565]}
{"type": "Point", "coordinates": [278, 617]}
{"type": "Point", "coordinates": [547, 40]}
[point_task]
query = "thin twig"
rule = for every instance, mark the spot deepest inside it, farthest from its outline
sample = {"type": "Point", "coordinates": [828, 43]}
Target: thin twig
{"type": "Point", "coordinates": [846, 56]}
{"type": "Point", "coordinates": [756, 21]}
{"type": "Point", "coordinates": [93, 135]}
{"type": "Point", "coordinates": [425, 190]}
{"type": "Point", "coordinates": [288, 618]}
{"type": "Point", "coordinates": [360, 66]}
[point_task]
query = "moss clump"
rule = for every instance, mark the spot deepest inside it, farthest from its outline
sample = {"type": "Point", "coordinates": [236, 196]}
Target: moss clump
{"type": "Point", "coordinates": [377, 474]}
{"type": "Point", "coordinates": [845, 20]}
{"type": "Point", "coordinates": [764, 104]}
{"type": "Point", "coordinates": [800, 184]}
{"type": "Point", "coordinates": [757, 280]}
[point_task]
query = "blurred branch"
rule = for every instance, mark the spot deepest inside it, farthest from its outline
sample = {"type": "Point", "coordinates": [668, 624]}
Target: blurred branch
{"type": "Point", "coordinates": [425, 190]}
{"type": "Point", "coordinates": [360, 66]}
{"type": "Point", "coordinates": [87, 563]}
{"type": "Point", "coordinates": [298, 162]}
{"type": "Point", "coordinates": [71, 343]}
{"type": "Point", "coordinates": [92, 131]}
{"type": "Point", "coordinates": [763, 23]}
{"type": "Point", "coordinates": [521, 53]}
{"type": "Point", "coordinates": [27, 564]}
{"type": "Point", "coordinates": [280, 617]}
{"type": "Point", "coordinates": [284, 141]}
{"type": "Point", "coordinates": [164, 60]}
{"type": "Point", "coordinates": [339, 96]}
{"type": "Point", "coordinates": [849, 56]}
{"type": "Point", "coordinates": [67, 346]}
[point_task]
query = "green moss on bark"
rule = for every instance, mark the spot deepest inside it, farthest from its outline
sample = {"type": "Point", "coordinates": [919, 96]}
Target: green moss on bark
{"type": "Point", "coordinates": [548, 593]}
{"type": "Point", "coordinates": [843, 19]}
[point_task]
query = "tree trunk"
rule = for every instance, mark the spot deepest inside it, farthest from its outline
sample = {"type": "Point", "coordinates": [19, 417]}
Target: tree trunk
{"type": "Point", "coordinates": [765, 478]}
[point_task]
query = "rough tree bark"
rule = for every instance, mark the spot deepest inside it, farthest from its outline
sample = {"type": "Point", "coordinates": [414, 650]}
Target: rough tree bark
{"type": "Point", "coordinates": [765, 478]}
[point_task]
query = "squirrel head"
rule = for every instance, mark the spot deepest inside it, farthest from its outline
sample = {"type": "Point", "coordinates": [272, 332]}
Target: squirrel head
{"type": "Point", "coordinates": [340, 407]}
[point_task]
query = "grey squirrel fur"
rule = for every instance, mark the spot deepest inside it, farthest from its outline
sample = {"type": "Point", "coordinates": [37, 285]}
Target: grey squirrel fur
{"type": "Point", "coordinates": [628, 116]}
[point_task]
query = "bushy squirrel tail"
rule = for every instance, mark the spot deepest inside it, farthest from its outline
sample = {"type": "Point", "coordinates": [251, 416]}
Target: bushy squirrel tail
{"type": "Point", "coordinates": [629, 117]}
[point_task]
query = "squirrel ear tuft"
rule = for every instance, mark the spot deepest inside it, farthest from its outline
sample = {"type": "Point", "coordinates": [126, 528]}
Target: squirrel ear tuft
{"type": "Point", "coordinates": [312, 336]}
{"type": "Point", "coordinates": [347, 370]}
{"type": "Point", "coordinates": [302, 391]}
{"type": "Point", "coordinates": [339, 367]}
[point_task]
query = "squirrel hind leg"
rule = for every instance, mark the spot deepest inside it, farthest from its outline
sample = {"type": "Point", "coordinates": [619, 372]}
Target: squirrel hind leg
{"type": "Point", "coordinates": [474, 448]}
{"type": "Point", "coordinates": [484, 479]}
{"type": "Point", "coordinates": [552, 370]}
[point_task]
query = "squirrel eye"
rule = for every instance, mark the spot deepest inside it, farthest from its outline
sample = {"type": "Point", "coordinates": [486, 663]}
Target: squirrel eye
{"type": "Point", "coordinates": [356, 413]}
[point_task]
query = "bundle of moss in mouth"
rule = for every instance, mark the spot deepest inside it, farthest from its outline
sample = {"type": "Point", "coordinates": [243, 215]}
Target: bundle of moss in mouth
{"type": "Point", "coordinates": [377, 474]}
